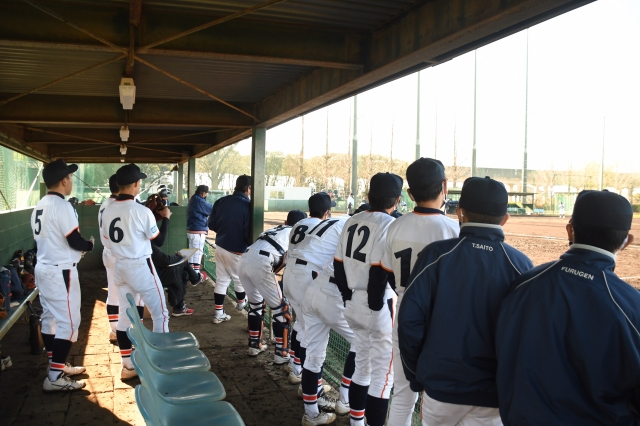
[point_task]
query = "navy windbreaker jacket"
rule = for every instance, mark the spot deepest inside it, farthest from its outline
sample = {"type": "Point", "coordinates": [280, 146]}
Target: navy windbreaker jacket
{"type": "Point", "coordinates": [230, 219]}
{"type": "Point", "coordinates": [197, 212]}
{"type": "Point", "coordinates": [447, 316]}
{"type": "Point", "coordinates": [568, 344]}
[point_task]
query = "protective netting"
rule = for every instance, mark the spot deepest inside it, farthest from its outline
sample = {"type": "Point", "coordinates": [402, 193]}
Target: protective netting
{"type": "Point", "coordinates": [337, 349]}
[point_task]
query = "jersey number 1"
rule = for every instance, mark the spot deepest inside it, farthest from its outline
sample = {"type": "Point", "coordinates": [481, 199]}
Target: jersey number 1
{"type": "Point", "coordinates": [405, 265]}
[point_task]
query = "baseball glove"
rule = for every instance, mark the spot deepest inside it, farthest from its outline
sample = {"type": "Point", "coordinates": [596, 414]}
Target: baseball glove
{"type": "Point", "coordinates": [28, 280]}
{"type": "Point", "coordinates": [154, 203]}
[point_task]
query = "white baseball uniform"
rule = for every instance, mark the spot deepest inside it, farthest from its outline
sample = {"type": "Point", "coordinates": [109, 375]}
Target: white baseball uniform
{"type": "Point", "coordinates": [296, 277]}
{"type": "Point", "coordinates": [406, 237]}
{"type": "Point", "coordinates": [361, 246]}
{"type": "Point", "coordinates": [226, 270]}
{"type": "Point", "coordinates": [52, 221]}
{"type": "Point", "coordinates": [130, 227]}
{"type": "Point", "coordinates": [196, 241]}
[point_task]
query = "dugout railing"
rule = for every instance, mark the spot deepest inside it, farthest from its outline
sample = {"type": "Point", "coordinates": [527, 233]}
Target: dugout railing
{"type": "Point", "coordinates": [337, 349]}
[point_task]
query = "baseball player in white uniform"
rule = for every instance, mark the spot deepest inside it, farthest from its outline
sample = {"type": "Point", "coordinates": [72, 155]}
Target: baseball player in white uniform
{"type": "Point", "coordinates": [369, 300]}
{"type": "Point", "coordinates": [257, 269]}
{"type": "Point", "coordinates": [323, 310]}
{"type": "Point", "coordinates": [130, 228]}
{"type": "Point", "coordinates": [60, 246]}
{"type": "Point", "coordinates": [296, 279]}
{"type": "Point", "coordinates": [406, 237]}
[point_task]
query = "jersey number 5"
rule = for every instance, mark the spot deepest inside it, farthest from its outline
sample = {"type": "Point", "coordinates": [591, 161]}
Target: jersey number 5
{"type": "Point", "coordinates": [38, 222]}
{"type": "Point", "coordinates": [115, 234]}
{"type": "Point", "coordinates": [357, 254]}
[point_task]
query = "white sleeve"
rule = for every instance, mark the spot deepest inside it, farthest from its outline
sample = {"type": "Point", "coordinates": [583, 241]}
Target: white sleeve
{"type": "Point", "coordinates": [67, 219]}
{"type": "Point", "coordinates": [149, 224]}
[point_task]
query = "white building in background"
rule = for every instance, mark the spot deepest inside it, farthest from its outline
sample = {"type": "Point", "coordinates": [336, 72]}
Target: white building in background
{"type": "Point", "coordinates": [287, 193]}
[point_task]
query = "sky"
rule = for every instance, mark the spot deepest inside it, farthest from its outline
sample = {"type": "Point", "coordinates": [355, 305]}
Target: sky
{"type": "Point", "coordinates": [584, 71]}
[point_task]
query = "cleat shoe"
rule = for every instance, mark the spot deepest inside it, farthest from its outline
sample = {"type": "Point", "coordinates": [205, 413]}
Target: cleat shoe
{"type": "Point", "coordinates": [342, 408]}
{"type": "Point", "coordinates": [326, 403]}
{"type": "Point", "coordinates": [217, 319]}
{"type": "Point", "coordinates": [280, 360]}
{"type": "Point", "coordinates": [294, 378]}
{"type": "Point", "coordinates": [240, 306]}
{"type": "Point", "coordinates": [127, 374]}
{"type": "Point", "coordinates": [5, 362]}
{"type": "Point", "coordinates": [202, 277]}
{"type": "Point", "coordinates": [113, 337]}
{"type": "Point", "coordinates": [62, 384]}
{"type": "Point", "coordinates": [325, 388]}
{"type": "Point", "coordinates": [288, 368]}
{"type": "Point", "coordinates": [183, 312]}
{"type": "Point", "coordinates": [257, 351]}
{"type": "Point", "coordinates": [70, 370]}
{"type": "Point", "coordinates": [320, 419]}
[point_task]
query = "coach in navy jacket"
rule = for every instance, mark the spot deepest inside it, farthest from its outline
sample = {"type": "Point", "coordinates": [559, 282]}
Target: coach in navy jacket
{"type": "Point", "coordinates": [447, 317]}
{"type": "Point", "coordinates": [567, 339]}
{"type": "Point", "coordinates": [231, 221]}
{"type": "Point", "coordinates": [198, 210]}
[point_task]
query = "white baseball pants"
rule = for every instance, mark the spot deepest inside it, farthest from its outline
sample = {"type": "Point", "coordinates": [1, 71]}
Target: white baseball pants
{"type": "Point", "coordinates": [296, 280]}
{"type": "Point", "coordinates": [139, 277]}
{"type": "Point", "coordinates": [373, 346]}
{"type": "Point", "coordinates": [436, 413]}
{"type": "Point", "coordinates": [109, 264]}
{"type": "Point", "coordinates": [227, 270]}
{"type": "Point", "coordinates": [404, 399]}
{"type": "Point", "coordinates": [256, 272]}
{"type": "Point", "coordinates": [196, 241]}
{"type": "Point", "coordinates": [60, 299]}
{"type": "Point", "coordinates": [323, 310]}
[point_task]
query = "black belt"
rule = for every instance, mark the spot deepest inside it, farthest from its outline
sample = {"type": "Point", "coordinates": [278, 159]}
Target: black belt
{"type": "Point", "coordinates": [73, 265]}
{"type": "Point", "coordinates": [264, 253]}
{"type": "Point", "coordinates": [333, 280]}
{"type": "Point", "coordinates": [301, 262]}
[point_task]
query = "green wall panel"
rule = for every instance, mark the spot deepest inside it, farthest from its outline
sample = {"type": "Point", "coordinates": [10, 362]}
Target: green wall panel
{"type": "Point", "coordinates": [15, 233]}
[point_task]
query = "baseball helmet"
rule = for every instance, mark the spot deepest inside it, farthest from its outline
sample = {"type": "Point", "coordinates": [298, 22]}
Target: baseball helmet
{"type": "Point", "coordinates": [154, 203]}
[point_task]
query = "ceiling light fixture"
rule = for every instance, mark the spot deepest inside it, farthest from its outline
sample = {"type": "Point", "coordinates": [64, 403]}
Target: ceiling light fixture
{"type": "Point", "coordinates": [127, 93]}
{"type": "Point", "coordinates": [123, 149]}
{"type": "Point", "coordinates": [124, 133]}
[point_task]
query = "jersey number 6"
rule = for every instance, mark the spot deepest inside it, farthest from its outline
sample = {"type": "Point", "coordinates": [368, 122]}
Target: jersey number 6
{"type": "Point", "coordinates": [115, 234]}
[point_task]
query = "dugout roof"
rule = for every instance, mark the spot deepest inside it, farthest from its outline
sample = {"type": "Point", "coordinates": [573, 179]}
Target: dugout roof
{"type": "Point", "coordinates": [208, 71]}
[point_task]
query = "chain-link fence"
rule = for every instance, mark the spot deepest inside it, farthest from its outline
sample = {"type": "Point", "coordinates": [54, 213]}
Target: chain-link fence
{"type": "Point", "coordinates": [337, 349]}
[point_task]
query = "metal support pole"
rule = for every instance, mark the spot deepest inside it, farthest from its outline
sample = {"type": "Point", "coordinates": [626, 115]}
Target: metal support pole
{"type": "Point", "coordinates": [258, 165]}
{"type": "Point", "coordinates": [418, 121]}
{"type": "Point", "coordinates": [354, 150]}
{"type": "Point", "coordinates": [191, 179]}
{"type": "Point", "coordinates": [526, 118]}
{"type": "Point", "coordinates": [474, 170]}
{"type": "Point", "coordinates": [180, 184]}
{"type": "Point", "coordinates": [604, 126]}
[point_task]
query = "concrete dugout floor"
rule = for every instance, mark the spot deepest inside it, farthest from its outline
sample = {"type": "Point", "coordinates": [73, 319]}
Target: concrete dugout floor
{"type": "Point", "coordinates": [257, 389]}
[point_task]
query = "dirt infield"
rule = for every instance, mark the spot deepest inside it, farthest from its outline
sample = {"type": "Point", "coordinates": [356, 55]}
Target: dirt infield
{"type": "Point", "coordinates": [543, 239]}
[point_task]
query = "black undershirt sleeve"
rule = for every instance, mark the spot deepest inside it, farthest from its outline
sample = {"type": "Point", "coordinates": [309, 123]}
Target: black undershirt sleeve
{"type": "Point", "coordinates": [341, 280]}
{"type": "Point", "coordinates": [76, 242]}
{"type": "Point", "coordinates": [164, 228]}
{"type": "Point", "coordinates": [377, 284]}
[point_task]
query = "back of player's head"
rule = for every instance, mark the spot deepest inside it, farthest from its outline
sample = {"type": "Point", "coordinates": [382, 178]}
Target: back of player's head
{"type": "Point", "coordinates": [295, 216]}
{"type": "Point", "coordinates": [425, 177]}
{"type": "Point", "coordinates": [129, 174]}
{"type": "Point", "coordinates": [113, 185]}
{"type": "Point", "coordinates": [601, 219]}
{"type": "Point", "coordinates": [57, 170]}
{"type": "Point", "coordinates": [319, 203]}
{"type": "Point", "coordinates": [484, 200]}
{"type": "Point", "coordinates": [154, 203]}
{"type": "Point", "coordinates": [384, 190]}
{"type": "Point", "coordinates": [243, 183]}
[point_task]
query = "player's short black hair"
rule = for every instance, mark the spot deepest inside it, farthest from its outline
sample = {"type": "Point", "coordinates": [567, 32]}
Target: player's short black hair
{"type": "Point", "coordinates": [125, 187]}
{"type": "Point", "coordinates": [427, 193]}
{"type": "Point", "coordinates": [317, 214]}
{"type": "Point", "coordinates": [483, 218]}
{"type": "Point", "coordinates": [381, 203]}
{"type": "Point", "coordinates": [604, 238]}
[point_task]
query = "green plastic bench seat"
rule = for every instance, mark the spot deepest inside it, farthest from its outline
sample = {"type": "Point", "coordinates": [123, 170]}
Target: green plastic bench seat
{"type": "Point", "coordinates": [179, 388]}
{"type": "Point", "coordinates": [162, 341]}
{"type": "Point", "coordinates": [168, 362]}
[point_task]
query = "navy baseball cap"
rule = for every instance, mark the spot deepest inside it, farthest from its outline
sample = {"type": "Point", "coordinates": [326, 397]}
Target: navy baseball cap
{"type": "Point", "coordinates": [603, 209]}
{"type": "Point", "coordinates": [202, 188]}
{"type": "Point", "coordinates": [425, 171]}
{"type": "Point", "coordinates": [113, 185]}
{"type": "Point", "coordinates": [126, 175]}
{"type": "Point", "coordinates": [320, 202]}
{"type": "Point", "coordinates": [484, 196]}
{"type": "Point", "coordinates": [295, 216]}
{"type": "Point", "coordinates": [57, 170]}
{"type": "Point", "coordinates": [386, 185]}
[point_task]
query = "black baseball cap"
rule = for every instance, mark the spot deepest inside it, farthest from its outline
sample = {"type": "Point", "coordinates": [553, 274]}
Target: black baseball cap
{"type": "Point", "coordinates": [603, 209]}
{"type": "Point", "coordinates": [57, 170]}
{"type": "Point", "coordinates": [113, 185]}
{"type": "Point", "coordinates": [202, 188]}
{"type": "Point", "coordinates": [425, 171]}
{"type": "Point", "coordinates": [320, 202]}
{"type": "Point", "coordinates": [295, 216]}
{"type": "Point", "coordinates": [386, 185]}
{"type": "Point", "coordinates": [126, 175]}
{"type": "Point", "coordinates": [484, 196]}
{"type": "Point", "coordinates": [242, 181]}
